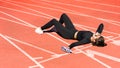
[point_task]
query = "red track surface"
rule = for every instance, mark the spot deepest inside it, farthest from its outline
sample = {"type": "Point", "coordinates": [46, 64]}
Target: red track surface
{"type": "Point", "coordinates": [21, 47]}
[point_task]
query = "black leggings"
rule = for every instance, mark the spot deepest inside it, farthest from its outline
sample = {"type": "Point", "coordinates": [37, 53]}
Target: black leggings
{"type": "Point", "coordinates": [66, 31]}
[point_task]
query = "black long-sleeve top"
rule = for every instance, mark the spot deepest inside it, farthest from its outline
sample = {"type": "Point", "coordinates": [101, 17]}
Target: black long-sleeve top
{"type": "Point", "coordinates": [84, 37]}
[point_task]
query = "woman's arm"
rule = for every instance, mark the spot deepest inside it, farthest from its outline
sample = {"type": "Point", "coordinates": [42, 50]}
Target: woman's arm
{"type": "Point", "coordinates": [84, 41]}
{"type": "Point", "coordinates": [100, 28]}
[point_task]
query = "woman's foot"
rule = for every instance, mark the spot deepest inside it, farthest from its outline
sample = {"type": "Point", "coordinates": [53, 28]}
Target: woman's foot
{"type": "Point", "coordinates": [39, 30]}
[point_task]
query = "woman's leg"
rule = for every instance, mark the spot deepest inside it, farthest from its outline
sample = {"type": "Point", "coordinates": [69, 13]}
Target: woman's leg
{"type": "Point", "coordinates": [68, 24]}
{"type": "Point", "coordinates": [61, 30]}
{"type": "Point", "coordinates": [66, 20]}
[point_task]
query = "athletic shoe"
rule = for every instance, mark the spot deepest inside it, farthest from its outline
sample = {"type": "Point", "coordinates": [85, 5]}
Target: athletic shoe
{"type": "Point", "coordinates": [39, 30]}
{"type": "Point", "coordinates": [65, 49]}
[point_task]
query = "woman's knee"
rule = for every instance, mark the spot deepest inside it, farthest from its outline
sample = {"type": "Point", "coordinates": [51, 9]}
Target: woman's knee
{"type": "Point", "coordinates": [64, 15]}
{"type": "Point", "coordinates": [54, 21]}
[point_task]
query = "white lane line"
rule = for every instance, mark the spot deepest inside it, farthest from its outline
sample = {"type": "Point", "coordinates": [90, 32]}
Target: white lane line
{"type": "Point", "coordinates": [81, 7]}
{"type": "Point", "coordinates": [91, 2]}
{"type": "Point", "coordinates": [28, 44]}
{"type": "Point", "coordinates": [76, 13]}
{"type": "Point", "coordinates": [21, 50]}
{"type": "Point", "coordinates": [18, 19]}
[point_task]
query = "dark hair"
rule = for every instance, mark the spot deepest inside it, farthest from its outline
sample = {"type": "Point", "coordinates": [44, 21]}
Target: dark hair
{"type": "Point", "coordinates": [99, 42]}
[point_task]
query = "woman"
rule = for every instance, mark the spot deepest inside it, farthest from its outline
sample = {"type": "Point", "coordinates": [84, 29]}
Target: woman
{"type": "Point", "coordinates": [68, 31]}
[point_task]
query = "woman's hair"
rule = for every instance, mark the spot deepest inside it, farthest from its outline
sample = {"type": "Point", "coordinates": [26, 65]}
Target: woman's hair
{"type": "Point", "coordinates": [99, 42]}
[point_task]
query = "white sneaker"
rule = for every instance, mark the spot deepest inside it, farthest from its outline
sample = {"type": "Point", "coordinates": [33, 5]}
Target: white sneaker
{"type": "Point", "coordinates": [65, 49]}
{"type": "Point", "coordinates": [39, 30]}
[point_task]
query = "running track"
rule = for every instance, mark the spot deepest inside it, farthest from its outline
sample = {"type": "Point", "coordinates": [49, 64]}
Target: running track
{"type": "Point", "coordinates": [21, 47]}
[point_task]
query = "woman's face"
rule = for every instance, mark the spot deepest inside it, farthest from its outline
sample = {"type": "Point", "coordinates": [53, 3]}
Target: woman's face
{"type": "Point", "coordinates": [95, 36]}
